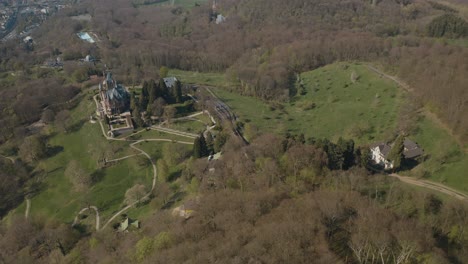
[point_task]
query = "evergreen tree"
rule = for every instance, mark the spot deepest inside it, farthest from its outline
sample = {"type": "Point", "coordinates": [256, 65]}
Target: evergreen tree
{"type": "Point", "coordinates": [137, 118]}
{"type": "Point", "coordinates": [164, 91]}
{"type": "Point", "coordinates": [178, 92]}
{"type": "Point", "coordinates": [396, 153]}
{"type": "Point", "coordinates": [133, 103]}
{"type": "Point", "coordinates": [144, 97]}
{"type": "Point", "coordinates": [346, 148]}
{"type": "Point", "coordinates": [203, 146]}
{"type": "Point", "coordinates": [152, 92]}
{"type": "Point", "coordinates": [362, 156]}
{"type": "Point", "coordinates": [199, 147]}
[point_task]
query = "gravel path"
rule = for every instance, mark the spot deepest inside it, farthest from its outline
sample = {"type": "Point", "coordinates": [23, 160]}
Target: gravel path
{"type": "Point", "coordinates": [132, 145]}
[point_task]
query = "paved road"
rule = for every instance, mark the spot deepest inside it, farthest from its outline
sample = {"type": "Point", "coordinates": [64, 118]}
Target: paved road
{"type": "Point", "coordinates": [432, 185]}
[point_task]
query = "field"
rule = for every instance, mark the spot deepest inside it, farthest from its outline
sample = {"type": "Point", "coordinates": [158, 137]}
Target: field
{"type": "Point", "coordinates": [331, 105]}
{"type": "Point", "coordinates": [334, 106]}
{"type": "Point", "coordinates": [195, 125]}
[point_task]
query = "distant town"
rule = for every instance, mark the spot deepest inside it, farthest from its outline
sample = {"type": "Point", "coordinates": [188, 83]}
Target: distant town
{"type": "Point", "coordinates": [18, 18]}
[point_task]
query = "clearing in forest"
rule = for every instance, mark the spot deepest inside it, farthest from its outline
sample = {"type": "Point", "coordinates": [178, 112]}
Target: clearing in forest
{"type": "Point", "coordinates": [341, 99]}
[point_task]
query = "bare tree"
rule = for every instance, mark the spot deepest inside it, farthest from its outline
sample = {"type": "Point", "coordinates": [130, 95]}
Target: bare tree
{"type": "Point", "coordinates": [136, 194]}
{"type": "Point", "coordinates": [80, 179]}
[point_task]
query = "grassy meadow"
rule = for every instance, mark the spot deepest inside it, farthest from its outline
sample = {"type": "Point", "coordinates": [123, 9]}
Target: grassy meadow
{"type": "Point", "coordinates": [329, 104]}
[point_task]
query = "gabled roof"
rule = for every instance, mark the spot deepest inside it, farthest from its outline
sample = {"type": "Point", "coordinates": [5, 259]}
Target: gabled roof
{"type": "Point", "coordinates": [413, 153]}
{"type": "Point", "coordinates": [410, 144]}
{"type": "Point", "coordinates": [411, 150]}
{"type": "Point", "coordinates": [170, 81]}
{"type": "Point", "coordinates": [384, 148]}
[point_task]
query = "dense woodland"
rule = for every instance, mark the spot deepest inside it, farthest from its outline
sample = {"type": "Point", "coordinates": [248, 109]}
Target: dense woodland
{"type": "Point", "coordinates": [277, 200]}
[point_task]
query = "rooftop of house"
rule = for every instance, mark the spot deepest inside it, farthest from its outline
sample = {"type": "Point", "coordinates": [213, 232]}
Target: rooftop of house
{"type": "Point", "coordinates": [411, 149]}
{"type": "Point", "coordinates": [170, 81]}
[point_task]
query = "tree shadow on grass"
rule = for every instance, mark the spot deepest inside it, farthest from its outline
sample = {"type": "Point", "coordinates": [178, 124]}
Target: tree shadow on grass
{"type": "Point", "coordinates": [97, 175]}
{"type": "Point", "coordinates": [81, 228]}
{"type": "Point", "coordinates": [76, 126]}
{"type": "Point", "coordinates": [54, 150]}
{"type": "Point", "coordinates": [409, 164]}
{"type": "Point", "coordinates": [174, 176]}
{"type": "Point", "coordinates": [175, 198]}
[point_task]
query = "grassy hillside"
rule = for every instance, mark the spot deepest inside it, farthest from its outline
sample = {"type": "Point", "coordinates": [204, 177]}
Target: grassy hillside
{"type": "Point", "coordinates": [446, 162]}
{"type": "Point", "coordinates": [57, 200]}
{"type": "Point", "coordinates": [366, 111]}
{"type": "Point", "coordinates": [331, 105]}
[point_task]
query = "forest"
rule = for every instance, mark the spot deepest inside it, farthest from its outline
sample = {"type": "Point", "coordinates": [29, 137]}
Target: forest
{"type": "Point", "coordinates": [278, 199]}
{"type": "Point", "coordinates": [264, 44]}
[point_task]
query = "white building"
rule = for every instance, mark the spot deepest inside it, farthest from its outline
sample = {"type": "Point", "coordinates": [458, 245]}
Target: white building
{"type": "Point", "coordinates": [379, 154]}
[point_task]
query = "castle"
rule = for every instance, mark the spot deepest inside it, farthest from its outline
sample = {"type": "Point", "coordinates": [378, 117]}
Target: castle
{"type": "Point", "coordinates": [115, 99]}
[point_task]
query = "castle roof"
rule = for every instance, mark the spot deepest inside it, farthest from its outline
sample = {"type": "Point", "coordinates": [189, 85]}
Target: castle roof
{"type": "Point", "coordinates": [117, 93]}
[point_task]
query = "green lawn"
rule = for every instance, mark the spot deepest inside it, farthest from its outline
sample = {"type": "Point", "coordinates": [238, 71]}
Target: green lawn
{"type": "Point", "coordinates": [446, 162]}
{"type": "Point", "coordinates": [57, 199]}
{"type": "Point", "coordinates": [332, 106]}
{"type": "Point", "coordinates": [202, 78]}
{"type": "Point", "coordinates": [191, 126]}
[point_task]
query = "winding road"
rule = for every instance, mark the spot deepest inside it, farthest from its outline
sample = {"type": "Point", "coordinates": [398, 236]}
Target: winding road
{"type": "Point", "coordinates": [432, 185]}
{"type": "Point", "coordinates": [98, 218]}
{"type": "Point", "coordinates": [133, 146]}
